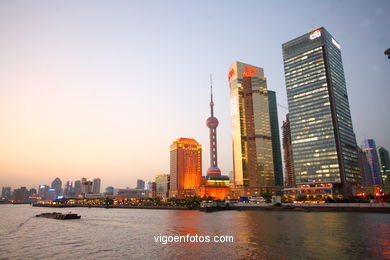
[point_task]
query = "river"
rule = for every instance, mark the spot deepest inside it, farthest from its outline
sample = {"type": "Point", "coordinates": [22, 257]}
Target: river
{"type": "Point", "coordinates": [130, 234]}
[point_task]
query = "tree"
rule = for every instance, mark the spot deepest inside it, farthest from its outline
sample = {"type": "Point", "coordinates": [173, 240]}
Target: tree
{"type": "Point", "coordinates": [267, 197]}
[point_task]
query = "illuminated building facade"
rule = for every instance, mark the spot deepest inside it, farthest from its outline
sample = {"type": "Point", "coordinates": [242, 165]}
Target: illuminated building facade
{"type": "Point", "coordinates": [288, 155]}
{"type": "Point", "coordinates": [323, 141]}
{"type": "Point", "coordinates": [251, 132]}
{"type": "Point", "coordinates": [185, 167]}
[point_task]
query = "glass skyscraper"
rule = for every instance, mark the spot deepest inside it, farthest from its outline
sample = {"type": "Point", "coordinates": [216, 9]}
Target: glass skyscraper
{"type": "Point", "coordinates": [369, 148]}
{"type": "Point", "coordinates": [323, 142]}
{"type": "Point", "coordinates": [276, 152]}
{"type": "Point", "coordinates": [251, 131]}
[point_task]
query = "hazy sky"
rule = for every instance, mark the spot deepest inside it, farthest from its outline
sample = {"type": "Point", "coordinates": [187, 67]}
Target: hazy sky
{"type": "Point", "coordinates": [102, 88]}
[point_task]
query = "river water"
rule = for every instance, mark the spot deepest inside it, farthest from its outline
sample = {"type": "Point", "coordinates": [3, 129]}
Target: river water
{"type": "Point", "coordinates": [130, 234]}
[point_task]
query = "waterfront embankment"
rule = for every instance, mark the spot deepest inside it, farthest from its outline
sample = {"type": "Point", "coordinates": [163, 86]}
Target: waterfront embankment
{"type": "Point", "coordinates": [299, 207]}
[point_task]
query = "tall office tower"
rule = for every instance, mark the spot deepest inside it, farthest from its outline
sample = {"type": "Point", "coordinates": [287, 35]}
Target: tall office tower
{"type": "Point", "coordinates": [86, 186]}
{"type": "Point", "coordinates": [43, 191]}
{"type": "Point", "coordinates": [77, 187]}
{"type": "Point", "coordinates": [68, 189]}
{"type": "Point", "coordinates": [288, 155]}
{"type": "Point", "coordinates": [57, 185]}
{"type": "Point", "coordinates": [162, 186]}
{"type": "Point", "coordinates": [212, 124]}
{"type": "Point", "coordinates": [140, 184]}
{"type": "Point", "coordinates": [6, 193]}
{"type": "Point", "coordinates": [96, 186]}
{"type": "Point", "coordinates": [365, 172]}
{"type": "Point", "coordinates": [384, 162]}
{"type": "Point", "coordinates": [323, 141]}
{"type": "Point", "coordinates": [21, 194]}
{"type": "Point", "coordinates": [185, 167]}
{"type": "Point", "coordinates": [251, 131]}
{"type": "Point", "coordinates": [369, 148]}
{"type": "Point", "coordinates": [276, 153]}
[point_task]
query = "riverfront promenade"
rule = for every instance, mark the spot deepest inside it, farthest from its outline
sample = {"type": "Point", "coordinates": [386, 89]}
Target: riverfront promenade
{"type": "Point", "coordinates": [331, 207]}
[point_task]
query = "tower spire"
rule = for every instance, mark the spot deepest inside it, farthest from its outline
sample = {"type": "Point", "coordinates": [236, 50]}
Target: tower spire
{"type": "Point", "coordinates": [211, 90]}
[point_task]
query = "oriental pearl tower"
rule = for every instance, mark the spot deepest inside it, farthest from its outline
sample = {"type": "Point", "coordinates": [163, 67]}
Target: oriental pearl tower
{"type": "Point", "coordinates": [212, 124]}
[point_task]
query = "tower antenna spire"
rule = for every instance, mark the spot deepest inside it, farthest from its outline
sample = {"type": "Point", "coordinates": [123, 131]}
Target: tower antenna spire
{"type": "Point", "coordinates": [211, 91]}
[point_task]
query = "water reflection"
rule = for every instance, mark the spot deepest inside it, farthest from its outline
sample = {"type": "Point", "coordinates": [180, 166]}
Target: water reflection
{"type": "Point", "coordinates": [129, 234]}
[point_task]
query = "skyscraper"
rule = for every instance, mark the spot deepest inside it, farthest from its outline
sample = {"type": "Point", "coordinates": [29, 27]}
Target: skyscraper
{"type": "Point", "coordinates": [185, 167]}
{"type": "Point", "coordinates": [57, 185]}
{"type": "Point", "coordinates": [140, 184]}
{"type": "Point", "coordinates": [77, 187]}
{"type": "Point", "coordinates": [384, 162]}
{"type": "Point", "coordinates": [212, 124]}
{"type": "Point", "coordinates": [251, 131]}
{"type": "Point", "coordinates": [68, 190]}
{"type": "Point", "coordinates": [162, 185]}
{"type": "Point", "coordinates": [6, 193]}
{"type": "Point", "coordinates": [276, 153]}
{"type": "Point", "coordinates": [96, 185]}
{"type": "Point", "coordinates": [369, 148]}
{"type": "Point", "coordinates": [288, 155]}
{"type": "Point", "coordinates": [323, 141]}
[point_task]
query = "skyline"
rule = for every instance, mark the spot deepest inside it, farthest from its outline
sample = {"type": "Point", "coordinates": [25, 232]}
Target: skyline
{"type": "Point", "coordinates": [69, 79]}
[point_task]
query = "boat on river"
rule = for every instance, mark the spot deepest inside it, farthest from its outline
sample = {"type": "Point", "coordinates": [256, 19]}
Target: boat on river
{"type": "Point", "coordinates": [58, 215]}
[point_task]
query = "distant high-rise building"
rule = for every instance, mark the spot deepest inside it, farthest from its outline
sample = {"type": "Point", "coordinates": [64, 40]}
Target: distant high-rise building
{"type": "Point", "coordinates": [276, 153]}
{"type": "Point", "coordinates": [365, 172]}
{"type": "Point", "coordinates": [384, 162]}
{"type": "Point", "coordinates": [162, 185]}
{"type": "Point", "coordinates": [86, 186]}
{"type": "Point", "coordinates": [77, 187]}
{"type": "Point", "coordinates": [288, 155]}
{"type": "Point", "coordinates": [140, 184]}
{"type": "Point", "coordinates": [323, 142]}
{"type": "Point", "coordinates": [6, 193]}
{"type": "Point", "coordinates": [68, 189]}
{"type": "Point", "coordinates": [152, 188]}
{"type": "Point", "coordinates": [32, 192]}
{"type": "Point", "coordinates": [21, 194]}
{"type": "Point", "coordinates": [43, 191]}
{"type": "Point", "coordinates": [96, 185]}
{"type": "Point", "coordinates": [109, 190]}
{"type": "Point", "coordinates": [251, 131]}
{"type": "Point", "coordinates": [369, 148]}
{"type": "Point", "coordinates": [57, 185]}
{"type": "Point", "coordinates": [185, 167]}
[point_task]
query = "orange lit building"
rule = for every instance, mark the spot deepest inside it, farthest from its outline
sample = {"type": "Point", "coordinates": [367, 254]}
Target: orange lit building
{"type": "Point", "coordinates": [217, 188]}
{"type": "Point", "coordinates": [185, 167]}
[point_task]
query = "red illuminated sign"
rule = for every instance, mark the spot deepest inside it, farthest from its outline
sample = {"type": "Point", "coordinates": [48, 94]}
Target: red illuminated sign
{"type": "Point", "coordinates": [249, 71]}
{"type": "Point", "coordinates": [231, 73]}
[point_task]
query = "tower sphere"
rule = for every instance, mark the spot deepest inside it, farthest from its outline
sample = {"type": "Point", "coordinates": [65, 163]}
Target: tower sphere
{"type": "Point", "coordinates": [212, 122]}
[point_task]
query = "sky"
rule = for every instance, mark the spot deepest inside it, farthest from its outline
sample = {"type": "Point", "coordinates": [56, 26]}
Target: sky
{"type": "Point", "coordinates": [102, 88]}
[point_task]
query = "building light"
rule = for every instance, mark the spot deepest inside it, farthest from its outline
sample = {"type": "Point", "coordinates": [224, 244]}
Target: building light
{"type": "Point", "coordinates": [315, 34]}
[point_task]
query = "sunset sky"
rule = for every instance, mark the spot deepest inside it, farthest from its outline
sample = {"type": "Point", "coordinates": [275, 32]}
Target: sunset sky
{"type": "Point", "coordinates": [101, 88]}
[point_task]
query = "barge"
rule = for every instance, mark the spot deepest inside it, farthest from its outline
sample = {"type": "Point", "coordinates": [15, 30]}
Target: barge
{"type": "Point", "coordinates": [58, 215]}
